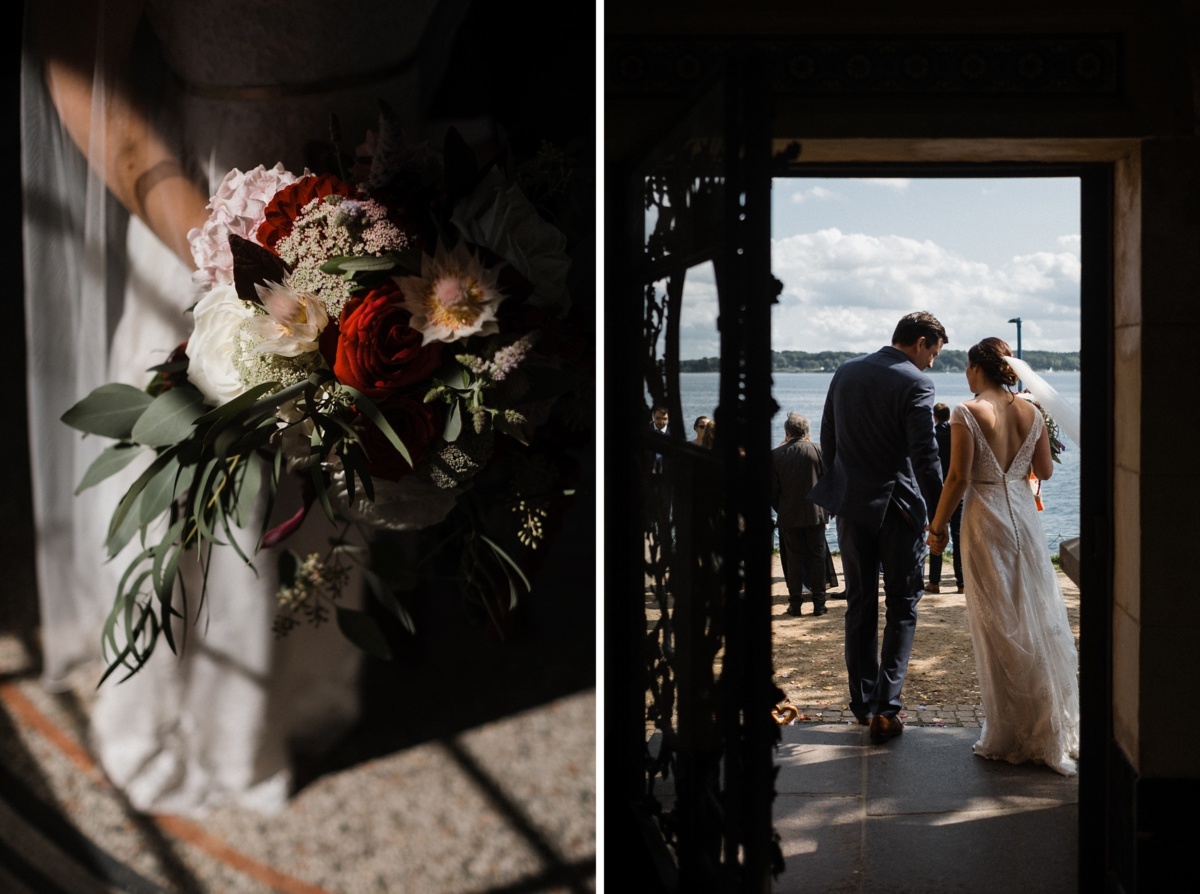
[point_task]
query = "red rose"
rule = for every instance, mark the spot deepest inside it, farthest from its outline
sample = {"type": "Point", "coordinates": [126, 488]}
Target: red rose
{"type": "Point", "coordinates": [378, 352]}
{"type": "Point", "coordinates": [285, 206]}
{"type": "Point", "coordinates": [416, 423]}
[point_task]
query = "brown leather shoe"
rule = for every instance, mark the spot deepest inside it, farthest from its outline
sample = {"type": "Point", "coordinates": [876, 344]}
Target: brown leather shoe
{"type": "Point", "coordinates": [931, 587]}
{"type": "Point", "coordinates": [884, 728]}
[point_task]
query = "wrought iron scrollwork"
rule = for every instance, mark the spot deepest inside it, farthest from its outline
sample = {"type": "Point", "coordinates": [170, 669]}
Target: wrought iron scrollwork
{"type": "Point", "coordinates": [683, 522]}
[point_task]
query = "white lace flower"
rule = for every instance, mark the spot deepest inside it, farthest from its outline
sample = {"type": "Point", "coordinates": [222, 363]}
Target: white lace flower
{"type": "Point", "coordinates": [237, 209]}
{"type": "Point", "coordinates": [454, 297]}
{"type": "Point", "coordinates": [219, 318]}
{"type": "Point", "coordinates": [293, 323]}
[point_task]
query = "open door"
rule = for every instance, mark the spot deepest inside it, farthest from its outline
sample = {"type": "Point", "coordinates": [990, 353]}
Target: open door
{"type": "Point", "coordinates": [690, 736]}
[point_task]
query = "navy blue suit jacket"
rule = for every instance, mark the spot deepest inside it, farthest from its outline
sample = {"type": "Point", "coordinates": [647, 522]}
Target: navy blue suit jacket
{"type": "Point", "coordinates": [877, 441]}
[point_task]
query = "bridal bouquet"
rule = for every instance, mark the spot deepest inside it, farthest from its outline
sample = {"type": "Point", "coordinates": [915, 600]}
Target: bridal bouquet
{"type": "Point", "coordinates": [1052, 431]}
{"type": "Point", "coordinates": [392, 334]}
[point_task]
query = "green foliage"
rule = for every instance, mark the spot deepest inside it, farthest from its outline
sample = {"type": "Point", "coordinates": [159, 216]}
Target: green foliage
{"type": "Point", "coordinates": [111, 410]}
{"type": "Point", "coordinates": [204, 475]}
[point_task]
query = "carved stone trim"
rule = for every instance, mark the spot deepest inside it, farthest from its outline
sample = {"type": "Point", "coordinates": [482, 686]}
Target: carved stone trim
{"type": "Point", "coordinates": [849, 65]}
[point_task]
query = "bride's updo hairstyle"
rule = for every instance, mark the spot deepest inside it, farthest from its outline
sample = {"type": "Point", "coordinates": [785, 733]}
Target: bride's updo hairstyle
{"type": "Point", "coordinates": [989, 356]}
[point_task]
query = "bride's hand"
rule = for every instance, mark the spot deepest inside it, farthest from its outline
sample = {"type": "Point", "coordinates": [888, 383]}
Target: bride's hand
{"type": "Point", "coordinates": [937, 542]}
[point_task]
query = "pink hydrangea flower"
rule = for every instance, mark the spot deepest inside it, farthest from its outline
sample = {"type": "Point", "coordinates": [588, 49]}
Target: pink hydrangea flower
{"type": "Point", "coordinates": [237, 209]}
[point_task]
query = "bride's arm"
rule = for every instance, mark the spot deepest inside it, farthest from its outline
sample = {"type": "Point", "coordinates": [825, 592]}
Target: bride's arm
{"type": "Point", "coordinates": [1043, 464]}
{"type": "Point", "coordinates": [137, 165]}
{"type": "Point", "coordinates": [962, 453]}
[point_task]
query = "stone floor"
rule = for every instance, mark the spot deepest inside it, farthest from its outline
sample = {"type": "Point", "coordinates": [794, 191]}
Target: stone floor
{"type": "Point", "coordinates": [920, 814]}
{"type": "Point", "coordinates": [473, 771]}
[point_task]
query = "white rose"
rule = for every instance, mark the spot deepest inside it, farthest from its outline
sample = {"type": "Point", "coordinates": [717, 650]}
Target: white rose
{"type": "Point", "coordinates": [219, 317]}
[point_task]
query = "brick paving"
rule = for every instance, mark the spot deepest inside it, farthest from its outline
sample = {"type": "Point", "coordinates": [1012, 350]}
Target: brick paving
{"type": "Point", "coordinates": [970, 716]}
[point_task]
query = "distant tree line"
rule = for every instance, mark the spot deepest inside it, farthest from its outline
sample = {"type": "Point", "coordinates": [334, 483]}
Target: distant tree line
{"type": "Point", "coordinates": [827, 361]}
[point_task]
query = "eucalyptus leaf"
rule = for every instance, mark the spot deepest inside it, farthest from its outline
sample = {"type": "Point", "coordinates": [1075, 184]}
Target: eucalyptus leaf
{"type": "Point", "coordinates": [456, 378]}
{"type": "Point", "coordinates": [349, 265]}
{"type": "Point", "coordinates": [364, 405]}
{"type": "Point", "coordinates": [170, 418]}
{"type": "Point", "coordinates": [354, 461]}
{"type": "Point", "coordinates": [110, 410]}
{"type": "Point", "coordinates": [166, 563]}
{"type": "Point", "coordinates": [505, 557]}
{"type": "Point", "coordinates": [111, 461]}
{"type": "Point", "coordinates": [453, 423]}
{"type": "Point", "coordinates": [224, 513]}
{"type": "Point", "coordinates": [361, 629]}
{"type": "Point", "coordinates": [381, 591]}
{"type": "Point", "coordinates": [249, 488]}
{"type": "Point", "coordinates": [120, 536]}
{"type": "Point", "coordinates": [158, 494]}
{"type": "Point", "coordinates": [286, 564]}
{"type": "Point", "coordinates": [125, 506]}
{"type": "Point", "coordinates": [239, 404]}
{"type": "Point", "coordinates": [318, 476]}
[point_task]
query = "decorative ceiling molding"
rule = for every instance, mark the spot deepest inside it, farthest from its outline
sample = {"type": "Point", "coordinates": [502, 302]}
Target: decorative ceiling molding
{"type": "Point", "coordinates": [856, 65]}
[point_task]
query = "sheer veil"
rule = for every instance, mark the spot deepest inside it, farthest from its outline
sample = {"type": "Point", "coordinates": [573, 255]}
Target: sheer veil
{"type": "Point", "coordinates": [74, 279]}
{"type": "Point", "coordinates": [1060, 409]}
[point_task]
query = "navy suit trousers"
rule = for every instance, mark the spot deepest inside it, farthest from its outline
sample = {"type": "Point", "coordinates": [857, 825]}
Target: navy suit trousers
{"type": "Point", "coordinates": [877, 675]}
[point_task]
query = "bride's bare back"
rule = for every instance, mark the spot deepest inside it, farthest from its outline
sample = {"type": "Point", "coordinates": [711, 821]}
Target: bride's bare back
{"type": "Point", "coordinates": [1005, 422]}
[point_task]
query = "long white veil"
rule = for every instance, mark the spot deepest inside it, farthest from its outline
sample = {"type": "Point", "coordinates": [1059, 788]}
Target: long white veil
{"type": "Point", "coordinates": [1065, 413]}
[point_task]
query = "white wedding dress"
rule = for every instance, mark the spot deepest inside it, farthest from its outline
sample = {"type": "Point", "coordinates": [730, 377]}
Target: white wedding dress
{"type": "Point", "coordinates": [106, 300]}
{"type": "Point", "coordinates": [1024, 648]}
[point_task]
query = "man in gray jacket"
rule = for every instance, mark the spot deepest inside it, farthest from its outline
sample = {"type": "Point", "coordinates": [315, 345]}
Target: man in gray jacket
{"type": "Point", "coordinates": [883, 481]}
{"type": "Point", "coordinates": [796, 466]}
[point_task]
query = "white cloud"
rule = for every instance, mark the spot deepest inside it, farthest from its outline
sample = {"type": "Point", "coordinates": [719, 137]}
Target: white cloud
{"type": "Point", "coordinates": [899, 184]}
{"type": "Point", "coordinates": [818, 193]}
{"type": "Point", "coordinates": [846, 292]}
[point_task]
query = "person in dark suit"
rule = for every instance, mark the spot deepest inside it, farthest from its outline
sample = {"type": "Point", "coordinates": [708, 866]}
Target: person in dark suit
{"type": "Point", "coordinates": [941, 433]}
{"type": "Point", "coordinates": [658, 500]}
{"type": "Point", "coordinates": [883, 475]}
{"type": "Point", "coordinates": [796, 466]}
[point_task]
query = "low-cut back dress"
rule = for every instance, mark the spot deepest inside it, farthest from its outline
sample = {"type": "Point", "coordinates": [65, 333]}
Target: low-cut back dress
{"type": "Point", "coordinates": [1024, 647]}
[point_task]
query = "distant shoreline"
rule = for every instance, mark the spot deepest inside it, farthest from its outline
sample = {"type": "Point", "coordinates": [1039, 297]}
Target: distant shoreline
{"type": "Point", "coordinates": [829, 361]}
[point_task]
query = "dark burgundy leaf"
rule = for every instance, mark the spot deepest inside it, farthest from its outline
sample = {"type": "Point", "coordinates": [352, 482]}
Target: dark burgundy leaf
{"type": "Point", "coordinates": [253, 265]}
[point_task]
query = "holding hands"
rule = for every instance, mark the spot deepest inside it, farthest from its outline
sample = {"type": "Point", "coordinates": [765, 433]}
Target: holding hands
{"type": "Point", "coordinates": [938, 541]}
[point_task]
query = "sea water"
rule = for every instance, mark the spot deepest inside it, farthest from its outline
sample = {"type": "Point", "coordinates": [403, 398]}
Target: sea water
{"type": "Point", "coordinates": [804, 393]}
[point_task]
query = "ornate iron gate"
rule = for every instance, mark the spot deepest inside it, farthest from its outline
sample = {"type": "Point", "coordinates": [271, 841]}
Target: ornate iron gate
{"type": "Point", "coordinates": [689, 614]}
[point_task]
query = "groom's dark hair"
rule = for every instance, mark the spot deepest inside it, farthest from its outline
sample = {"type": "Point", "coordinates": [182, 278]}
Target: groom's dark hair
{"type": "Point", "coordinates": [914, 325]}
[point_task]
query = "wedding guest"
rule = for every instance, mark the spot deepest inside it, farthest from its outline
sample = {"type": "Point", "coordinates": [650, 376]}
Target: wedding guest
{"type": "Point", "coordinates": [941, 431]}
{"type": "Point", "coordinates": [698, 428]}
{"type": "Point", "coordinates": [659, 482]}
{"type": "Point", "coordinates": [796, 465]}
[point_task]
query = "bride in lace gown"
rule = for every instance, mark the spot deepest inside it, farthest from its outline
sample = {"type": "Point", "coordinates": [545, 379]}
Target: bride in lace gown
{"type": "Point", "coordinates": [1024, 647]}
{"type": "Point", "coordinates": [132, 114]}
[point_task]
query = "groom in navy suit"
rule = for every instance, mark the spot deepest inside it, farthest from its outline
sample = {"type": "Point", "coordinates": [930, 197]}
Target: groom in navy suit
{"type": "Point", "coordinates": [883, 480]}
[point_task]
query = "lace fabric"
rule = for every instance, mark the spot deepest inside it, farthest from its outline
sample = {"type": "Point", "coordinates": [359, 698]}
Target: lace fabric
{"type": "Point", "coordinates": [1024, 648]}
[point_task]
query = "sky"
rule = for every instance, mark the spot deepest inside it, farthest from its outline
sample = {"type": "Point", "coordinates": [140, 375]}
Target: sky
{"type": "Point", "coordinates": [855, 255]}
